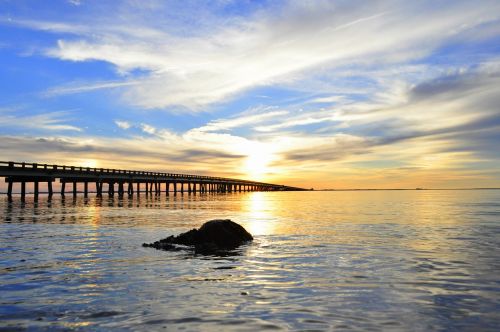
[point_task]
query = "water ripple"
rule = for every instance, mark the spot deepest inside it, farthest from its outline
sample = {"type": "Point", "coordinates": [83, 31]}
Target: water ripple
{"type": "Point", "coordinates": [380, 261]}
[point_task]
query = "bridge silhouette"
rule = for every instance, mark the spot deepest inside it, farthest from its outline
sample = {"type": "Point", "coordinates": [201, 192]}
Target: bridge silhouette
{"type": "Point", "coordinates": [154, 182]}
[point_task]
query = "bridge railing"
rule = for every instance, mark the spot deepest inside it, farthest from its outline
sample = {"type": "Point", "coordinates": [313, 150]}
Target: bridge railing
{"type": "Point", "coordinates": [109, 171]}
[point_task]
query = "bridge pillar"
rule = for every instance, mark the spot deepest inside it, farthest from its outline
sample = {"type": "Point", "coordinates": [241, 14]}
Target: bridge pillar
{"type": "Point", "coordinates": [23, 190]}
{"type": "Point", "coordinates": [35, 189]}
{"type": "Point", "coordinates": [63, 187]}
{"type": "Point", "coordinates": [182, 188]}
{"type": "Point", "coordinates": [9, 190]}
{"type": "Point", "coordinates": [111, 188]}
{"type": "Point", "coordinates": [98, 188]}
{"type": "Point", "coordinates": [167, 189]}
{"type": "Point", "coordinates": [74, 188]}
{"type": "Point", "coordinates": [86, 189]}
{"type": "Point", "coordinates": [120, 189]}
{"type": "Point", "coordinates": [49, 185]}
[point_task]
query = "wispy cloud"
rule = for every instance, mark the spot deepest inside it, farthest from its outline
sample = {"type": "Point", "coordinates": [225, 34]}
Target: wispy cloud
{"type": "Point", "coordinates": [244, 119]}
{"type": "Point", "coordinates": [266, 48]}
{"type": "Point", "coordinates": [81, 88]}
{"type": "Point", "coordinates": [148, 129]}
{"type": "Point", "coordinates": [75, 2]}
{"type": "Point", "coordinates": [123, 124]}
{"type": "Point", "coordinates": [50, 121]}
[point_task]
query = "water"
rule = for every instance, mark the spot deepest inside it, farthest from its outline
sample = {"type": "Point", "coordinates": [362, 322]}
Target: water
{"type": "Point", "coordinates": [367, 260]}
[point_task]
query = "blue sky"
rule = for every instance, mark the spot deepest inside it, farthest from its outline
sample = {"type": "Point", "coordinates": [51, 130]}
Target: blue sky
{"type": "Point", "coordinates": [324, 94]}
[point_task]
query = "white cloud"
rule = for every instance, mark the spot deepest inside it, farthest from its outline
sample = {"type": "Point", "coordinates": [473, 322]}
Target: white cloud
{"type": "Point", "coordinates": [123, 124]}
{"type": "Point", "coordinates": [240, 121]}
{"type": "Point", "coordinates": [80, 88]}
{"type": "Point", "coordinates": [268, 48]}
{"type": "Point", "coordinates": [328, 100]}
{"type": "Point", "coordinates": [50, 121]}
{"type": "Point", "coordinates": [148, 129]}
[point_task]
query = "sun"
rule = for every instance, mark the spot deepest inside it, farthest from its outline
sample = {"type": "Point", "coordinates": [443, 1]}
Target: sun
{"type": "Point", "coordinates": [92, 163]}
{"type": "Point", "coordinates": [259, 157]}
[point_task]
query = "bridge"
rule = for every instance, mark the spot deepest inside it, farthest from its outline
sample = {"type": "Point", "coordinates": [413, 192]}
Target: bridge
{"type": "Point", "coordinates": [121, 180]}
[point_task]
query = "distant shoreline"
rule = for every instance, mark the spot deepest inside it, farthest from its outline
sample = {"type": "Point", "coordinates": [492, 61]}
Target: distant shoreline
{"type": "Point", "coordinates": [361, 189]}
{"type": "Point", "coordinates": [415, 189]}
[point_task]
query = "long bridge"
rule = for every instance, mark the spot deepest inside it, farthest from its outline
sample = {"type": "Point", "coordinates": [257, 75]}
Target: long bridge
{"type": "Point", "coordinates": [124, 180]}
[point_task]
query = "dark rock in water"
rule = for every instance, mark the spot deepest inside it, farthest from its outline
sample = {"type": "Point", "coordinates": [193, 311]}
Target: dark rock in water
{"type": "Point", "coordinates": [212, 236]}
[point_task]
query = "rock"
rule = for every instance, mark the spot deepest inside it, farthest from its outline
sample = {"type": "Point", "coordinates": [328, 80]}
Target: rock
{"type": "Point", "coordinates": [212, 236]}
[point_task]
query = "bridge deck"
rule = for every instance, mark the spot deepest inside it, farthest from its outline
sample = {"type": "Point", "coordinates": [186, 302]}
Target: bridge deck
{"type": "Point", "coordinates": [16, 172]}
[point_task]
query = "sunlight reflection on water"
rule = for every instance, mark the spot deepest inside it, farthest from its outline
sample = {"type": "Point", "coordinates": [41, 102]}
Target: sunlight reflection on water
{"type": "Point", "coordinates": [384, 260]}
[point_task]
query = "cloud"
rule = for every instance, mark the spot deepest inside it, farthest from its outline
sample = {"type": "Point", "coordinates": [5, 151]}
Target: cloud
{"type": "Point", "coordinates": [50, 121]}
{"type": "Point", "coordinates": [328, 100]}
{"type": "Point", "coordinates": [327, 148]}
{"type": "Point", "coordinates": [123, 124]}
{"type": "Point", "coordinates": [127, 153]}
{"type": "Point", "coordinates": [75, 2]}
{"type": "Point", "coordinates": [243, 119]}
{"type": "Point", "coordinates": [271, 47]}
{"type": "Point", "coordinates": [82, 88]}
{"type": "Point", "coordinates": [148, 129]}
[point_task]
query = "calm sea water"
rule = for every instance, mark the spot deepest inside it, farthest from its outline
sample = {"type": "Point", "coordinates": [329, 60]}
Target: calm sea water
{"type": "Point", "coordinates": [367, 260]}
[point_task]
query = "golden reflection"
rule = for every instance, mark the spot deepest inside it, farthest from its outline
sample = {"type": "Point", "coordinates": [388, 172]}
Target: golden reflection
{"type": "Point", "coordinates": [73, 325]}
{"type": "Point", "coordinates": [94, 214]}
{"type": "Point", "coordinates": [260, 210]}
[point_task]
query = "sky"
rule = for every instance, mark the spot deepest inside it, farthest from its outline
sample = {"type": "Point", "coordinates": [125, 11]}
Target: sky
{"type": "Point", "coordinates": [321, 94]}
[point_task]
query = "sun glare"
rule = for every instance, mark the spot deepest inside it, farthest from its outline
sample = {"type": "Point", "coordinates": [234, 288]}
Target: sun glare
{"type": "Point", "coordinates": [259, 156]}
{"type": "Point", "coordinates": [92, 163]}
{"type": "Point", "coordinates": [260, 210]}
